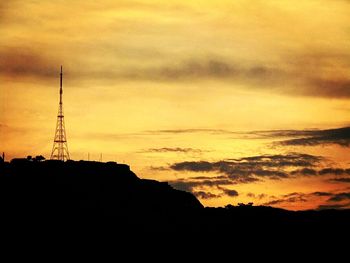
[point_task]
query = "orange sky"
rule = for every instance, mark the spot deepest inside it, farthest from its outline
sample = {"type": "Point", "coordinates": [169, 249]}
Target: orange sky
{"type": "Point", "coordinates": [158, 83]}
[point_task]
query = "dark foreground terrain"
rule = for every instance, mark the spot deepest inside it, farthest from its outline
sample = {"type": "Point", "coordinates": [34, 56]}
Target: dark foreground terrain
{"type": "Point", "coordinates": [44, 196]}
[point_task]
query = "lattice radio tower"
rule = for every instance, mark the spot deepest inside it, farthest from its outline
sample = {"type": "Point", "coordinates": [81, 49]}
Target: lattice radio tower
{"type": "Point", "coordinates": [60, 146]}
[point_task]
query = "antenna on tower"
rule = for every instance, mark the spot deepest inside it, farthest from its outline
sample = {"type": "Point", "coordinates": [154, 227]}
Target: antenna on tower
{"type": "Point", "coordinates": [60, 146]}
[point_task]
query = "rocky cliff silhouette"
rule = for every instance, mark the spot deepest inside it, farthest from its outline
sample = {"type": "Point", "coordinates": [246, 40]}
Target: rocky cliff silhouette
{"type": "Point", "coordinates": [109, 195]}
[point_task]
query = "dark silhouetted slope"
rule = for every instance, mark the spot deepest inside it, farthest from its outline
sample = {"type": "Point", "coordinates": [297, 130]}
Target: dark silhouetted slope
{"type": "Point", "coordinates": [65, 195]}
{"type": "Point", "coordinates": [29, 188]}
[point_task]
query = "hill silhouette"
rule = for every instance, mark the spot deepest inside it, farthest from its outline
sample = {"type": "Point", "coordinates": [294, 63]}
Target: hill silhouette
{"type": "Point", "coordinates": [109, 195]}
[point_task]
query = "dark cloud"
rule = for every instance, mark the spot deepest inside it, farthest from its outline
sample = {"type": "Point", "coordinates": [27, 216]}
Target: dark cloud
{"type": "Point", "coordinates": [253, 169]}
{"type": "Point", "coordinates": [216, 182]}
{"type": "Point", "coordinates": [20, 62]}
{"type": "Point", "coordinates": [230, 192]}
{"type": "Point", "coordinates": [205, 195]}
{"type": "Point", "coordinates": [24, 62]}
{"type": "Point", "coordinates": [261, 76]}
{"type": "Point", "coordinates": [278, 160]}
{"type": "Point", "coordinates": [340, 180]}
{"type": "Point", "coordinates": [264, 76]}
{"type": "Point", "coordinates": [304, 171]}
{"type": "Point", "coordinates": [339, 197]}
{"type": "Point", "coordinates": [177, 149]}
{"type": "Point", "coordinates": [340, 136]}
{"type": "Point", "coordinates": [294, 194]}
{"type": "Point", "coordinates": [218, 68]}
{"type": "Point", "coordinates": [311, 70]}
{"type": "Point", "coordinates": [274, 202]}
{"type": "Point", "coordinates": [250, 169]}
{"type": "Point", "coordinates": [256, 76]}
{"type": "Point", "coordinates": [335, 171]}
{"type": "Point", "coordinates": [184, 185]}
{"type": "Point", "coordinates": [201, 181]}
{"type": "Point", "coordinates": [247, 170]}
{"type": "Point", "coordinates": [321, 194]}
{"type": "Point", "coordinates": [293, 74]}
{"type": "Point", "coordinates": [244, 180]}
{"type": "Point", "coordinates": [283, 133]}
{"type": "Point", "coordinates": [338, 88]}
{"type": "Point", "coordinates": [257, 196]}
{"type": "Point", "coordinates": [292, 199]}
{"type": "Point", "coordinates": [305, 197]}
{"type": "Point", "coordinates": [201, 166]}
{"type": "Point", "coordinates": [177, 131]}
{"type": "Point", "coordinates": [334, 206]}
{"type": "Point", "coordinates": [158, 168]}
{"type": "Point", "coordinates": [297, 197]}
{"type": "Point", "coordinates": [324, 171]}
{"type": "Point", "coordinates": [271, 174]}
{"type": "Point", "coordinates": [198, 69]}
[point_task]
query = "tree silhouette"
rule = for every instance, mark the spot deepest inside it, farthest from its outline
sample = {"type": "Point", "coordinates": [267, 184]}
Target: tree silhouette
{"type": "Point", "coordinates": [39, 158]}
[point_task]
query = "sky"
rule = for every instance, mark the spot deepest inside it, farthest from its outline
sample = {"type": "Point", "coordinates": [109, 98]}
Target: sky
{"type": "Point", "coordinates": [235, 101]}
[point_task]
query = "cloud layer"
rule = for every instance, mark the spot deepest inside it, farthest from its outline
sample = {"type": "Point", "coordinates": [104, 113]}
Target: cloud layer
{"type": "Point", "coordinates": [314, 137]}
{"type": "Point", "coordinates": [254, 168]}
{"type": "Point", "coordinates": [332, 200]}
{"type": "Point", "coordinates": [340, 136]}
{"type": "Point", "coordinates": [173, 150]}
{"type": "Point", "coordinates": [22, 62]}
{"type": "Point", "coordinates": [223, 174]}
{"type": "Point", "coordinates": [137, 40]}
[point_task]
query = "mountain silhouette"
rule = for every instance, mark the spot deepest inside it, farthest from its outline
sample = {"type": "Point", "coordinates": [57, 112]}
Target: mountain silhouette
{"type": "Point", "coordinates": [35, 192]}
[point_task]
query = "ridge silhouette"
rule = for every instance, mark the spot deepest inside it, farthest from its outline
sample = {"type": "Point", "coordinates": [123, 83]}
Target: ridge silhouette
{"type": "Point", "coordinates": [35, 192]}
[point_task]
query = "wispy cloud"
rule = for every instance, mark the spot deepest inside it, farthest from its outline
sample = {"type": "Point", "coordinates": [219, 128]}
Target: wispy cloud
{"type": "Point", "coordinates": [205, 195]}
{"type": "Point", "coordinates": [331, 200]}
{"type": "Point", "coordinates": [256, 196]}
{"type": "Point", "coordinates": [197, 130]}
{"type": "Point", "coordinates": [340, 136]}
{"type": "Point", "coordinates": [334, 206]}
{"type": "Point", "coordinates": [311, 137]}
{"type": "Point", "coordinates": [340, 180]}
{"type": "Point", "coordinates": [297, 197]}
{"type": "Point", "coordinates": [158, 168]}
{"type": "Point", "coordinates": [291, 198]}
{"type": "Point", "coordinates": [202, 181]}
{"type": "Point", "coordinates": [173, 150]}
{"type": "Point", "coordinates": [339, 197]}
{"type": "Point", "coordinates": [214, 183]}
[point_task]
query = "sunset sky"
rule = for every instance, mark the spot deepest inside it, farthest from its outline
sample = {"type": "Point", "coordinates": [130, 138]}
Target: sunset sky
{"type": "Point", "coordinates": [234, 101]}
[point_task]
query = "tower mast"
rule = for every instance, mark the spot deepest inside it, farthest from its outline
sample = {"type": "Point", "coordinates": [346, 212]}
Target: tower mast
{"type": "Point", "coordinates": [60, 146]}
